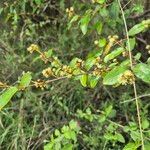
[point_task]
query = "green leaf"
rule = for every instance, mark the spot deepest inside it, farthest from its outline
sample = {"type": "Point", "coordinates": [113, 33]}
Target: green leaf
{"type": "Point", "coordinates": [135, 135]}
{"type": "Point", "coordinates": [114, 10]}
{"type": "Point", "coordinates": [38, 2]}
{"type": "Point", "coordinates": [147, 146]}
{"type": "Point", "coordinates": [98, 27]}
{"type": "Point", "coordinates": [113, 54]}
{"type": "Point", "coordinates": [83, 79]}
{"type": "Point", "coordinates": [49, 53]}
{"type": "Point", "coordinates": [136, 29]}
{"type": "Point", "coordinates": [102, 42]}
{"type": "Point", "coordinates": [145, 123]}
{"type": "Point", "coordinates": [84, 23]}
{"type": "Point", "coordinates": [25, 80]}
{"type": "Point", "coordinates": [93, 81]}
{"type": "Point", "coordinates": [68, 147]}
{"type": "Point", "coordinates": [125, 63]}
{"type": "Point", "coordinates": [89, 63]}
{"type": "Point", "coordinates": [73, 62]}
{"type": "Point", "coordinates": [132, 43]}
{"type": "Point", "coordinates": [7, 95]}
{"type": "Point", "coordinates": [131, 146]}
{"type": "Point", "coordinates": [108, 110]}
{"type": "Point", "coordinates": [74, 19]}
{"type": "Point", "coordinates": [57, 132]}
{"type": "Point", "coordinates": [142, 71]}
{"type": "Point", "coordinates": [73, 124]}
{"type": "Point", "coordinates": [112, 77]}
{"type": "Point", "coordinates": [137, 56]}
{"type": "Point", "coordinates": [49, 146]}
{"type": "Point", "coordinates": [120, 138]}
{"type": "Point", "coordinates": [101, 1]}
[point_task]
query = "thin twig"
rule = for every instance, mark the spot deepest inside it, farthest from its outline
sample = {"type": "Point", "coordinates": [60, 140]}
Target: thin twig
{"type": "Point", "coordinates": [140, 15]}
{"type": "Point", "coordinates": [134, 85]}
{"type": "Point", "coordinates": [131, 100]}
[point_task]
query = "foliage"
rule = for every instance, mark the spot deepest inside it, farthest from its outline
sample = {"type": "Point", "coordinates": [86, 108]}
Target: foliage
{"type": "Point", "coordinates": [77, 75]}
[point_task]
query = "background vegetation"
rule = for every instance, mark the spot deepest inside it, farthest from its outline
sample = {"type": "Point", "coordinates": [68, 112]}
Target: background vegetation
{"type": "Point", "coordinates": [68, 114]}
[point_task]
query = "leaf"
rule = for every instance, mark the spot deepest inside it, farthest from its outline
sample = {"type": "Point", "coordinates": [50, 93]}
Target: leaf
{"type": "Point", "coordinates": [136, 29]}
{"type": "Point", "coordinates": [84, 24]}
{"type": "Point", "coordinates": [73, 62]}
{"type": "Point", "coordinates": [102, 42]}
{"type": "Point", "coordinates": [49, 146]}
{"type": "Point", "coordinates": [38, 2]}
{"type": "Point", "coordinates": [108, 110]}
{"type": "Point", "coordinates": [89, 63]}
{"type": "Point", "coordinates": [109, 136]}
{"type": "Point", "coordinates": [114, 10]}
{"type": "Point", "coordinates": [125, 63]}
{"type": "Point", "coordinates": [101, 1]}
{"type": "Point", "coordinates": [131, 146]}
{"type": "Point", "coordinates": [132, 43]}
{"type": "Point", "coordinates": [137, 56]}
{"type": "Point", "coordinates": [120, 138]}
{"type": "Point", "coordinates": [113, 76]}
{"type": "Point", "coordinates": [57, 132]}
{"type": "Point", "coordinates": [83, 79]}
{"type": "Point", "coordinates": [73, 124]}
{"type": "Point", "coordinates": [68, 147]}
{"type": "Point", "coordinates": [113, 54]}
{"type": "Point", "coordinates": [74, 19]}
{"type": "Point", "coordinates": [25, 80]}
{"type": "Point", "coordinates": [145, 123]}
{"type": "Point", "coordinates": [98, 27]}
{"type": "Point", "coordinates": [147, 146]}
{"type": "Point", "coordinates": [135, 135]}
{"type": "Point", "coordinates": [93, 81]}
{"type": "Point", "coordinates": [49, 53]}
{"type": "Point", "coordinates": [7, 95]}
{"type": "Point", "coordinates": [142, 71]}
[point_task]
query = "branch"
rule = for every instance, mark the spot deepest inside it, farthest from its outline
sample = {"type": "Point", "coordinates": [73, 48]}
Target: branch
{"type": "Point", "coordinates": [140, 15]}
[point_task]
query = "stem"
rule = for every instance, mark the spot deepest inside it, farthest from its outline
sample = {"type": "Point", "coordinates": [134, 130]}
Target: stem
{"type": "Point", "coordinates": [134, 85]}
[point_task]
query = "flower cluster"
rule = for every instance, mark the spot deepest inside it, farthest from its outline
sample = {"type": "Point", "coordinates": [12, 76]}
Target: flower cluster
{"type": "Point", "coordinates": [146, 23]}
{"type": "Point", "coordinates": [32, 48]}
{"type": "Point", "coordinates": [112, 40]}
{"type": "Point", "coordinates": [39, 84]}
{"type": "Point", "coordinates": [70, 11]}
{"type": "Point", "coordinates": [127, 78]}
{"type": "Point", "coordinates": [47, 72]}
{"type": "Point", "coordinates": [148, 48]}
{"type": "Point", "coordinates": [3, 85]}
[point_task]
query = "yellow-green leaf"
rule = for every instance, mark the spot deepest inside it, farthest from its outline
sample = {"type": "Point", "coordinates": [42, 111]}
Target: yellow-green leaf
{"type": "Point", "coordinates": [112, 77]}
{"type": "Point", "coordinates": [136, 29]}
{"type": "Point", "coordinates": [142, 71]}
{"type": "Point", "coordinates": [113, 54]}
{"type": "Point", "coordinates": [7, 95]}
{"type": "Point", "coordinates": [83, 80]}
{"type": "Point", "coordinates": [84, 23]}
{"type": "Point", "coordinates": [25, 80]}
{"type": "Point", "coordinates": [93, 81]}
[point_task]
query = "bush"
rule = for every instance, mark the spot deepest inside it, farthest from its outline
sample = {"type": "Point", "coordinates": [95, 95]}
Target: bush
{"type": "Point", "coordinates": [72, 69]}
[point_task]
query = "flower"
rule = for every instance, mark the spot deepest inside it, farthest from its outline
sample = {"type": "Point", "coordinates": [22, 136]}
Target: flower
{"type": "Point", "coordinates": [32, 48]}
{"type": "Point", "coordinates": [127, 78]}
{"type": "Point", "coordinates": [39, 84]}
{"type": "Point", "coordinates": [70, 11]}
{"type": "Point", "coordinates": [47, 72]}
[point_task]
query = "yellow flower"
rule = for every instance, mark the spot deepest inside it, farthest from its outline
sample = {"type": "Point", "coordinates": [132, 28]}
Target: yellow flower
{"type": "Point", "coordinates": [70, 11]}
{"type": "Point", "coordinates": [127, 78]}
{"type": "Point", "coordinates": [32, 48]}
{"type": "Point", "coordinates": [39, 84]}
{"type": "Point", "coordinates": [47, 72]}
{"type": "Point", "coordinates": [3, 85]}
